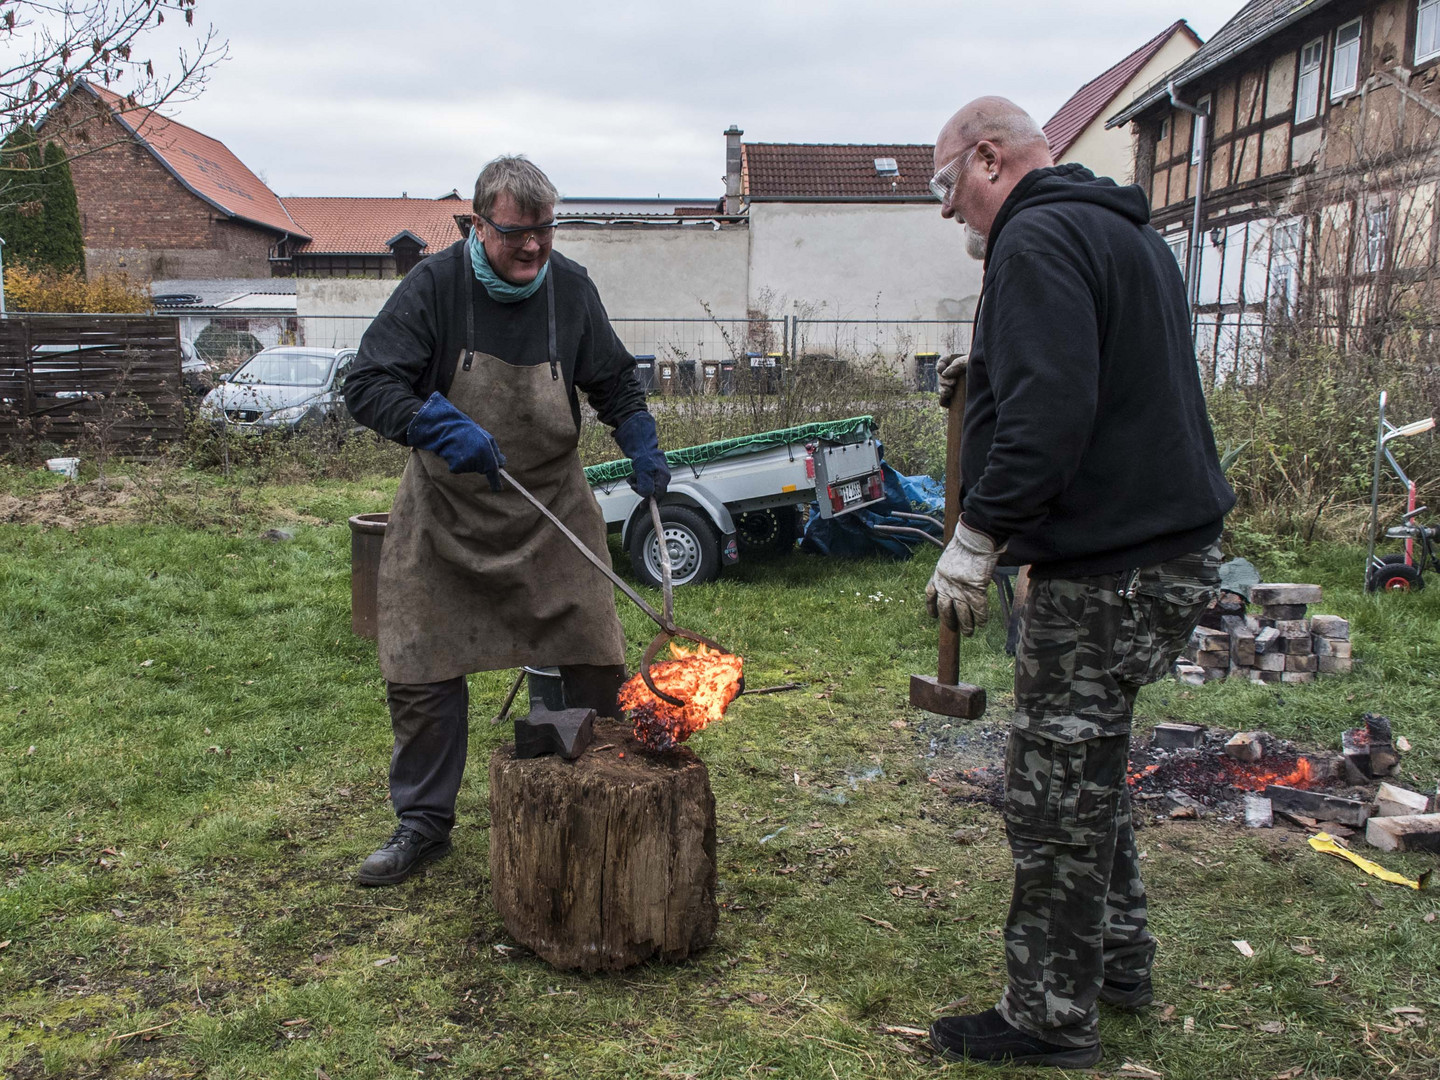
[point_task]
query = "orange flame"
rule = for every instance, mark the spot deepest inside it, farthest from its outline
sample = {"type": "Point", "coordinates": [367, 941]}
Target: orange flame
{"type": "Point", "coordinates": [704, 679]}
{"type": "Point", "coordinates": [1301, 777]}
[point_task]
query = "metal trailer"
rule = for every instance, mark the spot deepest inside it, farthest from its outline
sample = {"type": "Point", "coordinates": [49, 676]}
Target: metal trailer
{"type": "Point", "coordinates": [747, 499]}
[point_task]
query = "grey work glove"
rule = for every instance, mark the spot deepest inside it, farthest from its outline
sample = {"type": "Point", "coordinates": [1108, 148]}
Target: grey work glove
{"type": "Point", "coordinates": [949, 370]}
{"type": "Point", "coordinates": [957, 590]}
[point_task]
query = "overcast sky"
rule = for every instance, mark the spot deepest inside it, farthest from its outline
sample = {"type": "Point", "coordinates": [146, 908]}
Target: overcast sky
{"type": "Point", "coordinates": [362, 97]}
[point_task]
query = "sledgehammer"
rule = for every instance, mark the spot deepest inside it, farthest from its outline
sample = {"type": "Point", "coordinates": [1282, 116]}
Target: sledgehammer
{"type": "Point", "coordinates": [947, 695]}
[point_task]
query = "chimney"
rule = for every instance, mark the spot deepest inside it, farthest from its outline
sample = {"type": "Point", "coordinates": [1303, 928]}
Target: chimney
{"type": "Point", "coordinates": [732, 170]}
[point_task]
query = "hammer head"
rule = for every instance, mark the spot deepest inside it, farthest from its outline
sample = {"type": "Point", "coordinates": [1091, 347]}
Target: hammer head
{"type": "Point", "coordinates": [960, 700]}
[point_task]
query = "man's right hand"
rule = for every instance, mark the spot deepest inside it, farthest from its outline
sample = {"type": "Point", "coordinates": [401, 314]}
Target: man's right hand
{"type": "Point", "coordinates": [463, 444]}
{"type": "Point", "coordinates": [956, 593]}
{"type": "Point", "coordinates": [949, 370]}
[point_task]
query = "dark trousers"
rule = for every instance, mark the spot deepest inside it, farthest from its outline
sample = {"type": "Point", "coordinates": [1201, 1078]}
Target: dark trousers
{"type": "Point", "coordinates": [431, 723]}
{"type": "Point", "coordinates": [1078, 911]}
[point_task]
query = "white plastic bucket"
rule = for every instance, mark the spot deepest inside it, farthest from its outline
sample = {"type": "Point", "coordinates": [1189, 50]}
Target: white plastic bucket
{"type": "Point", "coordinates": [68, 467]}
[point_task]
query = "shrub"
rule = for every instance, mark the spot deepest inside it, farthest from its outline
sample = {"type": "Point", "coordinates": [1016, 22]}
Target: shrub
{"type": "Point", "coordinates": [50, 290]}
{"type": "Point", "coordinates": [225, 347]}
{"type": "Point", "coordinates": [1303, 439]}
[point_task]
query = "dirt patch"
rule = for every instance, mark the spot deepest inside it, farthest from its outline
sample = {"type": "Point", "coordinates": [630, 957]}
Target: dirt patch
{"type": "Point", "coordinates": [155, 495]}
{"type": "Point", "coordinates": [95, 502]}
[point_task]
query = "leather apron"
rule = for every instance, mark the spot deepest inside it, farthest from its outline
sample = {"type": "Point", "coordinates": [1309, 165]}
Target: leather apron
{"type": "Point", "coordinates": [476, 580]}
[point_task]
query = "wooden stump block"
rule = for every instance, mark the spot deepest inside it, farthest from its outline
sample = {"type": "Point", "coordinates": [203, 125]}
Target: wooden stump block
{"type": "Point", "coordinates": [605, 861]}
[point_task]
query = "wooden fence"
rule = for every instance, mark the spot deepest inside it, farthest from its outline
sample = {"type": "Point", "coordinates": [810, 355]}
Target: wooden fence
{"type": "Point", "coordinates": [107, 382]}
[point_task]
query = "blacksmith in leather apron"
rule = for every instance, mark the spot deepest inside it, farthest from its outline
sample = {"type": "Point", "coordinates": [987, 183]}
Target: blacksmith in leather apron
{"type": "Point", "coordinates": [473, 579]}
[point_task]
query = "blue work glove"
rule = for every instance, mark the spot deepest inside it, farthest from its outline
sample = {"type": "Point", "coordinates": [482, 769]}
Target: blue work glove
{"type": "Point", "coordinates": [641, 443]}
{"type": "Point", "coordinates": [465, 446]}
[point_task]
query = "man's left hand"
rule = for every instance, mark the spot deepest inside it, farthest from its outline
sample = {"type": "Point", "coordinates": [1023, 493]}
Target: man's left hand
{"type": "Point", "coordinates": [641, 442]}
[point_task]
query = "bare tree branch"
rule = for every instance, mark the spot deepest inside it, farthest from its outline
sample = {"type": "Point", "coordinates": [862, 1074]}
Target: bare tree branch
{"type": "Point", "coordinates": [48, 45]}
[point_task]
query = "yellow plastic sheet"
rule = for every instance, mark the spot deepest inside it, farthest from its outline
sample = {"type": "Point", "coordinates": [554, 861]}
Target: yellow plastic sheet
{"type": "Point", "coordinates": [1326, 843]}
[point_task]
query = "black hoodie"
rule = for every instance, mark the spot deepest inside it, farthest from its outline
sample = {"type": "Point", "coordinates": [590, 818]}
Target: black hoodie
{"type": "Point", "coordinates": [1087, 445]}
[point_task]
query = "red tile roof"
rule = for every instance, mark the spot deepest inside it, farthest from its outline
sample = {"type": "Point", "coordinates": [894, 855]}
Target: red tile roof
{"type": "Point", "coordinates": [362, 226]}
{"type": "Point", "coordinates": [1091, 100]}
{"type": "Point", "coordinates": [202, 164]}
{"type": "Point", "coordinates": [780, 170]}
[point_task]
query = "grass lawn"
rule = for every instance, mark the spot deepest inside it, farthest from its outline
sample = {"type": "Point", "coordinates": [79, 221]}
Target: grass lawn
{"type": "Point", "coordinates": [193, 752]}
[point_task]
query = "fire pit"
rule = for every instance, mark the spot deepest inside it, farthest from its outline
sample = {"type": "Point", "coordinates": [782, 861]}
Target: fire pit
{"type": "Point", "coordinates": [1194, 773]}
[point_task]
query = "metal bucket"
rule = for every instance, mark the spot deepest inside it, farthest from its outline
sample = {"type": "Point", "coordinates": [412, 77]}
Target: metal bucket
{"type": "Point", "coordinates": [367, 534]}
{"type": "Point", "coordinates": [546, 690]}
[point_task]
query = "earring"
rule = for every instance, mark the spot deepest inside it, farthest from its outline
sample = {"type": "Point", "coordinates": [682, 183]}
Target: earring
{"type": "Point", "coordinates": [994, 177]}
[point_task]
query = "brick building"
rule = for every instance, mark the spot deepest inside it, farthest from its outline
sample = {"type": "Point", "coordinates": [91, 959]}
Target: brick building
{"type": "Point", "coordinates": [161, 200]}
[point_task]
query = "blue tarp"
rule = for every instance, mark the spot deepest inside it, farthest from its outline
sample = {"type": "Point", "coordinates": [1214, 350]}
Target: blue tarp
{"type": "Point", "coordinates": [847, 536]}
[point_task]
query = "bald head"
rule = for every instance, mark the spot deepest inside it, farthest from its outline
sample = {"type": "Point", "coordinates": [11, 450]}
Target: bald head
{"type": "Point", "coordinates": [1000, 121]}
{"type": "Point", "coordinates": [983, 151]}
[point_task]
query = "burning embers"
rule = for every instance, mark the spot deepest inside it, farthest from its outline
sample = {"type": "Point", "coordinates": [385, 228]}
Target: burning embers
{"type": "Point", "coordinates": [1207, 775]}
{"type": "Point", "coordinates": [704, 679]}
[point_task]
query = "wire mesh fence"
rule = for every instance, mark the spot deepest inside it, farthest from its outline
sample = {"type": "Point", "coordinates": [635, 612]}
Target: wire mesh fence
{"type": "Point", "coordinates": [705, 354]}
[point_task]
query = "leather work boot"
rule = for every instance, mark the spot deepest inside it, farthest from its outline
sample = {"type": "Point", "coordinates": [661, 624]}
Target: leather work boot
{"type": "Point", "coordinates": [405, 852]}
{"type": "Point", "coordinates": [1127, 995]}
{"type": "Point", "coordinates": [986, 1037]}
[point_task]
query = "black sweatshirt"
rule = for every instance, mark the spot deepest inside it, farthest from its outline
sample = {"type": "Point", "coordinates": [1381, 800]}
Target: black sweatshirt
{"type": "Point", "coordinates": [1087, 444]}
{"type": "Point", "coordinates": [410, 349]}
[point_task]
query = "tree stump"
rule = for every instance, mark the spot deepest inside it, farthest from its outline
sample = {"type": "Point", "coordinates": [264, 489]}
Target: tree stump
{"type": "Point", "coordinates": [605, 861]}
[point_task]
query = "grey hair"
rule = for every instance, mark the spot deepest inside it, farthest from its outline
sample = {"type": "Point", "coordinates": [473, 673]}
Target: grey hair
{"type": "Point", "coordinates": [521, 178]}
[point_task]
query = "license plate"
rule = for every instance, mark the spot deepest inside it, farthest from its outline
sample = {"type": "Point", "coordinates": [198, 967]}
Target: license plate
{"type": "Point", "coordinates": [851, 492]}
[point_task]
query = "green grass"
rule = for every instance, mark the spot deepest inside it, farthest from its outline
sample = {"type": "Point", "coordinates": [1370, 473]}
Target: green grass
{"type": "Point", "coordinates": [208, 767]}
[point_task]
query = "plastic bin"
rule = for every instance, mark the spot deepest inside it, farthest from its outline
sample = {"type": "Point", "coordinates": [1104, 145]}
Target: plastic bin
{"type": "Point", "coordinates": [645, 372]}
{"type": "Point", "coordinates": [925, 378]}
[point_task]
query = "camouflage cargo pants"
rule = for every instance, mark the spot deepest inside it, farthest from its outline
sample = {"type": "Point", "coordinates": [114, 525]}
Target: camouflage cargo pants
{"type": "Point", "coordinates": [1077, 913]}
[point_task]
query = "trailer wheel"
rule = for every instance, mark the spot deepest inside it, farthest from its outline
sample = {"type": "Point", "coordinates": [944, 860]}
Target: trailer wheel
{"type": "Point", "coordinates": [1393, 576]}
{"type": "Point", "coordinates": [694, 548]}
{"type": "Point", "coordinates": [775, 529]}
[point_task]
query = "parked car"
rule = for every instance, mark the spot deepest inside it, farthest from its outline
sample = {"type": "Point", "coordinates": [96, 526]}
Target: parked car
{"type": "Point", "coordinates": [197, 374]}
{"type": "Point", "coordinates": [285, 387]}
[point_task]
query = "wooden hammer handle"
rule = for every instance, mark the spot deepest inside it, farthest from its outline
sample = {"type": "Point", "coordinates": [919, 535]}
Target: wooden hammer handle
{"type": "Point", "coordinates": [949, 672]}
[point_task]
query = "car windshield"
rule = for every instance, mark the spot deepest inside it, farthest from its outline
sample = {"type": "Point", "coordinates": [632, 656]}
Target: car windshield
{"type": "Point", "coordinates": [285, 367]}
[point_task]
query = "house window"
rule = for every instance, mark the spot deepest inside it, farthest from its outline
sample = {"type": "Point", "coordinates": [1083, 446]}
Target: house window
{"type": "Point", "coordinates": [1165, 121]}
{"type": "Point", "coordinates": [1345, 71]}
{"type": "Point", "coordinates": [1176, 244]}
{"type": "Point", "coordinates": [1427, 31]}
{"type": "Point", "coordinates": [1377, 237]}
{"type": "Point", "coordinates": [1285, 265]}
{"type": "Point", "coordinates": [1195, 129]}
{"type": "Point", "coordinates": [1307, 87]}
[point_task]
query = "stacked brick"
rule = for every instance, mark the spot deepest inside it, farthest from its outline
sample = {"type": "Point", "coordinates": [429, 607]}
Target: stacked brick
{"type": "Point", "coordinates": [1280, 645]}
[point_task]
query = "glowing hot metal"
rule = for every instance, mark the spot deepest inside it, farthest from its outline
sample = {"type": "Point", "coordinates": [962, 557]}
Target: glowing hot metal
{"type": "Point", "coordinates": [704, 681]}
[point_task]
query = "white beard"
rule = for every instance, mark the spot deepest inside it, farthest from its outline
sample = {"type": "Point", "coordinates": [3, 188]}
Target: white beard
{"type": "Point", "coordinates": [975, 243]}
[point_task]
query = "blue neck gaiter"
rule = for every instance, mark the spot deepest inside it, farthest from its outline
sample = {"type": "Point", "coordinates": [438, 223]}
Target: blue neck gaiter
{"type": "Point", "coordinates": [498, 288]}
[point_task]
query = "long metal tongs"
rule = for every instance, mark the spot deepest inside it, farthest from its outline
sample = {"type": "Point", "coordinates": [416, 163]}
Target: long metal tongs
{"type": "Point", "coordinates": [666, 621]}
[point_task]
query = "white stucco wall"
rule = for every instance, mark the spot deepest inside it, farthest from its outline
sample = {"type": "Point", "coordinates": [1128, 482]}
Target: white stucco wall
{"type": "Point", "coordinates": [660, 275]}
{"type": "Point", "coordinates": [860, 261]}
{"type": "Point", "coordinates": [1112, 153]}
{"type": "Point", "coordinates": [663, 271]}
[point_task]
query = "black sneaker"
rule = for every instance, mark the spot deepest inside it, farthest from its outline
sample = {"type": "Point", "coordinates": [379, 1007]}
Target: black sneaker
{"type": "Point", "coordinates": [400, 856]}
{"type": "Point", "coordinates": [1127, 995]}
{"type": "Point", "coordinates": [987, 1037]}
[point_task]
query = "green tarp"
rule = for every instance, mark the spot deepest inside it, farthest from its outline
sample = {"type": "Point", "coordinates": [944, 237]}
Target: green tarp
{"type": "Point", "coordinates": [854, 429]}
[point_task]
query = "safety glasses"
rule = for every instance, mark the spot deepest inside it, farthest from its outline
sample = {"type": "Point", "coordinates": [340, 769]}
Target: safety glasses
{"type": "Point", "coordinates": [943, 182]}
{"type": "Point", "coordinates": [517, 236]}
